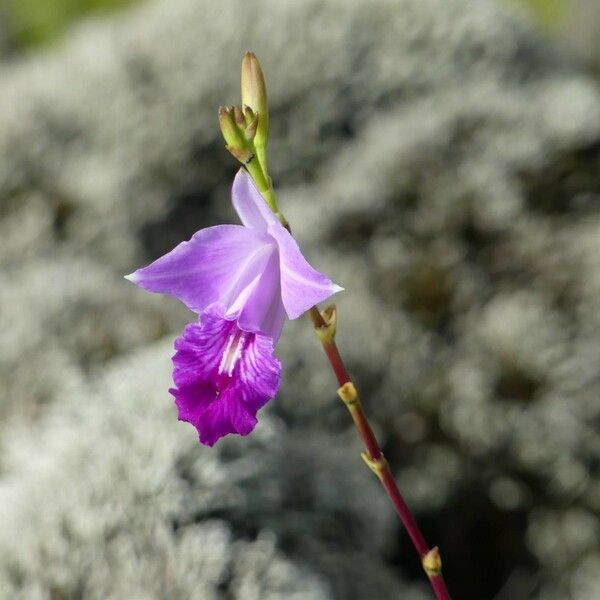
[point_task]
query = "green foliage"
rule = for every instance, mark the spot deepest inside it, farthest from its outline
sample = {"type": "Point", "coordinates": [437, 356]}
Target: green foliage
{"type": "Point", "coordinates": [33, 22]}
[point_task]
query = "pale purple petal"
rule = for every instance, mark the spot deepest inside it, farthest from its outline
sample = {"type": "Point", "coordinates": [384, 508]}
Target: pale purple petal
{"type": "Point", "coordinates": [301, 286]}
{"type": "Point", "coordinates": [216, 265]}
{"type": "Point", "coordinates": [223, 376]}
{"type": "Point", "coordinates": [263, 309]}
{"type": "Point", "coordinates": [250, 206]}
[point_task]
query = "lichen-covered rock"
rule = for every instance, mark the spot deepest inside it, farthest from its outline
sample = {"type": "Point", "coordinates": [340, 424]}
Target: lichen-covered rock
{"type": "Point", "coordinates": [439, 161]}
{"type": "Point", "coordinates": [577, 30]}
{"type": "Point", "coordinates": [111, 499]}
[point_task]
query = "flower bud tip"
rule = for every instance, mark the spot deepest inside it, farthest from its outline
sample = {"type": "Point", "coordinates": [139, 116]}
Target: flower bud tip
{"type": "Point", "coordinates": [254, 94]}
{"type": "Point", "coordinates": [238, 115]}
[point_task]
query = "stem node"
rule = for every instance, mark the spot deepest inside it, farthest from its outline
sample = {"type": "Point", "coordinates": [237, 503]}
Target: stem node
{"type": "Point", "coordinates": [432, 562]}
{"type": "Point", "coordinates": [348, 394]}
{"type": "Point", "coordinates": [326, 330]}
{"type": "Point", "coordinates": [378, 465]}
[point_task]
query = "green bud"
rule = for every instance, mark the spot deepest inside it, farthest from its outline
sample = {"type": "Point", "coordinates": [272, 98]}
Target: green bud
{"type": "Point", "coordinates": [238, 115]}
{"type": "Point", "coordinates": [254, 95]}
{"type": "Point", "coordinates": [229, 129]}
{"type": "Point", "coordinates": [250, 131]}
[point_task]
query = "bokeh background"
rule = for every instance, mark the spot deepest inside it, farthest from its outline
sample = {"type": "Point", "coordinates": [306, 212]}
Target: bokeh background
{"type": "Point", "coordinates": [438, 158]}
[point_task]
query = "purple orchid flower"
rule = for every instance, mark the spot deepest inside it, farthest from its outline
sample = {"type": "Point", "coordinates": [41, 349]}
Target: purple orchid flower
{"type": "Point", "coordinates": [242, 281]}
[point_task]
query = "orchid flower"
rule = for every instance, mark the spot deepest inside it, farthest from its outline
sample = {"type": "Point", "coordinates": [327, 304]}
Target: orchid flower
{"type": "Point", "coordinates": [242, 282]}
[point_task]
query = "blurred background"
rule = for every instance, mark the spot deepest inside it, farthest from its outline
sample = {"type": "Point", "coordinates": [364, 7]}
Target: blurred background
{"type": "Point", "coordinates": [440, 159]}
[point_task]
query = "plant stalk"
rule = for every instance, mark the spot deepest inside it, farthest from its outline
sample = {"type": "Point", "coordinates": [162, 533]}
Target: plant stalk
{"type": "Point", "coordinates": [375, 460]}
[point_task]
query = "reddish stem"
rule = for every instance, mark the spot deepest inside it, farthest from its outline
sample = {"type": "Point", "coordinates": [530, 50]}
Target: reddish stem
{"type": "Point", "coordinates": [376, 461]}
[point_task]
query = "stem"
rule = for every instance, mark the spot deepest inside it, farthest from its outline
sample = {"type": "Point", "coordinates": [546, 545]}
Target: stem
{"type": "Point", "coordinates": [261, 155]}
{"type": "Point", "coordinates": [430, 558]}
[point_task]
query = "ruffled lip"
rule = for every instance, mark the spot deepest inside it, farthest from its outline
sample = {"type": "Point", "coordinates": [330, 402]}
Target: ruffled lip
{"type": "Point", "coordinates": [223, 376]}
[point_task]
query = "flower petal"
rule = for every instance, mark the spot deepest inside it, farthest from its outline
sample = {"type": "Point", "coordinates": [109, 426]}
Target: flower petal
{"type": "Point", "coordinates": [224, 375]}
{"type": "Point", "coordinates": [263, 309]}
{"type": "Point", "coordinates": [301, 285]}
{"type": "Point", "coordinates": [250, 206]}
{"type": "Point", "coordinates": [216, 265]}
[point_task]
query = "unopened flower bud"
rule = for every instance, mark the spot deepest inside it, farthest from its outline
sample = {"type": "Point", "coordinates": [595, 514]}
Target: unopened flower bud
{"type": "Point", "coordinates": [229, 129]}
{"type": "Point", "coordinates": [239, 116]}
{"type": "Point", "coordinates": [254, 95]}
{"type": "Point", "coordinates": [250, 131]}
{"type": "Point", "coordinates": [249, 114]}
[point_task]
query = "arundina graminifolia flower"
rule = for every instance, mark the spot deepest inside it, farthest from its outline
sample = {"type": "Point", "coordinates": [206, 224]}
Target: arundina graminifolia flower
{"type": "Point", "coordinates": [242, 281]}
